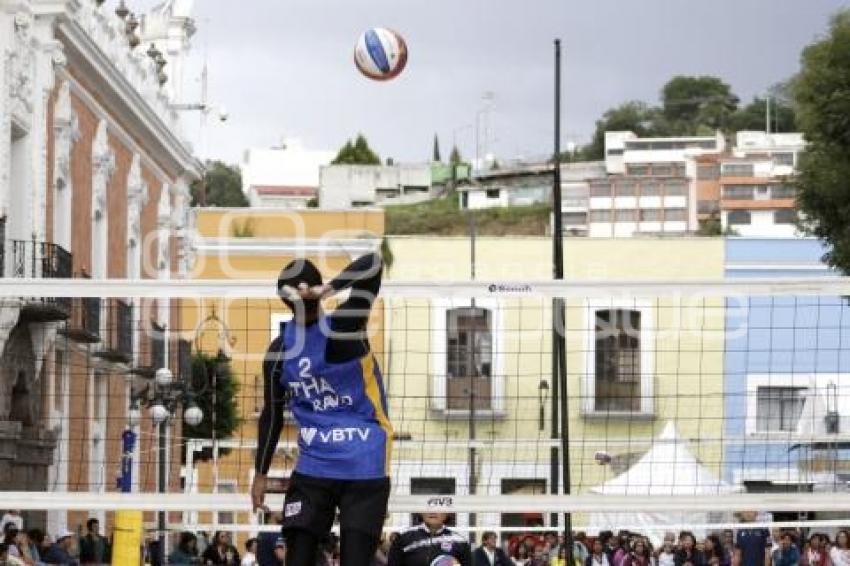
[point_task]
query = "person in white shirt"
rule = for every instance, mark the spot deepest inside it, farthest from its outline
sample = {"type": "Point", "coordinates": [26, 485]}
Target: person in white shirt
{"type": "Point", "coordinates": [597, 557]}
{"type": "Point", "coordinates": [840, 553]}
{"type": "Point", "coordinates": [250, 556]}
{"type": "Point", "coordinates": [667, 553]}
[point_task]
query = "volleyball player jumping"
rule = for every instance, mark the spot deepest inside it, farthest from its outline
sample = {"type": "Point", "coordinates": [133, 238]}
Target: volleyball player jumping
{"type": "Point", "coordinates": [322, 365]}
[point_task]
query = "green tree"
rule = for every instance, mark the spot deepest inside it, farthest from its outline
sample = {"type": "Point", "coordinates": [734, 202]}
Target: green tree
{"type": "Point", "coordinates": [222, 186]}
{"type": "Point", "coordinates": [455, 157]}
{"type": "Point", "coordinates": [753, 116]}
{"type": "Point", "coordinates": [710, 227]}
{"type": "Point", "coordinates": [212, 379]}
{"type": "Point", "coordinates": [435, 154]}
{"type": "Point", "coordinates": [822, 91]}
{"type": "Point", "coordinates": [357, 153]}
{"type": "Point", "coordinates": [694, 105]}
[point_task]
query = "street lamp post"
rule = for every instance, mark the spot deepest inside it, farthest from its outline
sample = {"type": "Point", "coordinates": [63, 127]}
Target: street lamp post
{"type": "Point", "coordinates": [168, 395]}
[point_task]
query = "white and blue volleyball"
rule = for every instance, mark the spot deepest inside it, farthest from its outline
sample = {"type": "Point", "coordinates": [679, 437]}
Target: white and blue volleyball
{"type": "Point", "coordinates": [381, 54]}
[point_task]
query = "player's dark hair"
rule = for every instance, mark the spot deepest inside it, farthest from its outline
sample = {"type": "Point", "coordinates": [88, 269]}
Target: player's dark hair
{"type": "Point", "coordinates": [249, 542]}
{"type": "Point", "coordinates": [91, 522]}
{"type": "Point", "coordinates": [298, 271]}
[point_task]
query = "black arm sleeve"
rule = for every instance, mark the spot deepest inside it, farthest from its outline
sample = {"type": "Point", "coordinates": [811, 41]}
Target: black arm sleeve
{"type": "Point", "coordinates": [363, 277]}
{"type": "Point", "coordinates": [349, 319]}
{"type": "Point", "coordinates": [274, 401]}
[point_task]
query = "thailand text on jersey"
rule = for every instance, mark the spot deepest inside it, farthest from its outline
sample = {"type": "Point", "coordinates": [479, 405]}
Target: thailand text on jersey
{"type": "Point", "coordinates": [340, 408]}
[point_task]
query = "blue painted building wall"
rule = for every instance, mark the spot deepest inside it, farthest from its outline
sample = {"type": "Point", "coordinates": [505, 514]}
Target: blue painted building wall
{"type": "Point", "coordinates": [775, 337]}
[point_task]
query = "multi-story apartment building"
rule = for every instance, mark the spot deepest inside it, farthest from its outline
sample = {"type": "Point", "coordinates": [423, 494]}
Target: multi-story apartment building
{"type": "Point", "coordinates": [651, 187]}
{"type": "Point", "coordinates": [756, 198]}
{"type": "Point", "coordinates": [94, 178]}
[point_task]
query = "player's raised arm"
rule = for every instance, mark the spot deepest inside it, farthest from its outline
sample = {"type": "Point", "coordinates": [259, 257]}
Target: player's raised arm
{"type": "Point", "coordinates": [270, 422]}
{"type": "Point", "coordinates": [363, 277]}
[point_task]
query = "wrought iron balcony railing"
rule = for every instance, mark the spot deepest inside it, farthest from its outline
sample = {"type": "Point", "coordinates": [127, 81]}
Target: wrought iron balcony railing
{"type": "Point", "coordinates": [34, 259]}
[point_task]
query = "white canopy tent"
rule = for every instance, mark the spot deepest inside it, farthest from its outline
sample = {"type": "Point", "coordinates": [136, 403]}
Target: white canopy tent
{"type": "Point", "coordinates": [668, 468]}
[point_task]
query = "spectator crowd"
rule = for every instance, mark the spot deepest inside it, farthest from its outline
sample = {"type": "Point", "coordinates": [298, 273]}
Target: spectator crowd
{"type": "Point", "coordinates": [743, 547]}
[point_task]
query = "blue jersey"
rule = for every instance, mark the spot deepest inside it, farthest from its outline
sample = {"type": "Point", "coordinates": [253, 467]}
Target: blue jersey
{"type": "Point", "coordinates": [340, 408]}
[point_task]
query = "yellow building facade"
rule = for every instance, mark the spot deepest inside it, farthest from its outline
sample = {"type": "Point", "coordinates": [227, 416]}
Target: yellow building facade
{"type": "Point", "coordinates": [494, 355]}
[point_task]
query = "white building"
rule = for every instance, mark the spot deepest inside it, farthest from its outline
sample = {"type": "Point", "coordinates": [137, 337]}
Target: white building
{"type": "Point", "coordinates": [756, 198]}
{"type": "Point", "coordinates": [627, 154]}
{"type": "Point", "coordinates": [283, 177]}
{"type": "Point", "coordinates": [575, 194]}
{"type": "Point", "coordinates": [348, 186]}
{"type": "Point", "coordinates": [531, 183]}
{"type": "Point", "coordinates": [651, 188]}
{"type": "Point", "coordinates": [520, 184]}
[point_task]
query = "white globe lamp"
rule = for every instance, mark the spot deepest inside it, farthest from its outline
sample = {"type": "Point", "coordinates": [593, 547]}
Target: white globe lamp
{"type": "Point", "coordinates": [193, 415]}
{"type": "Point", "coordinates": [163, 377]}
{"type": "Point", "coordinates": [159, 413]}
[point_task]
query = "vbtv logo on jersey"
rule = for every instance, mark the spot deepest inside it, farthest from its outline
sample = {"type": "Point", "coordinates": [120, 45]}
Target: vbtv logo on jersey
{"type": "Point", "coordinates": [334, 435]}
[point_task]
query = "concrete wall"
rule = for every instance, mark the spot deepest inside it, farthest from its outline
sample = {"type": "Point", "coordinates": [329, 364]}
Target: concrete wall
{"type": "Point", "coordinates": [342, 186]}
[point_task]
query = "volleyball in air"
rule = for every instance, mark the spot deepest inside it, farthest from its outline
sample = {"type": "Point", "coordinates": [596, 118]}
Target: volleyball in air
{"type": "Point", "coordinates": [380, 54]}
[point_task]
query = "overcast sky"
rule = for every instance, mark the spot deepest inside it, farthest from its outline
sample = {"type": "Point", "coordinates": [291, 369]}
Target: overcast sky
{"type": "Point", "coordinates": [283, 68]}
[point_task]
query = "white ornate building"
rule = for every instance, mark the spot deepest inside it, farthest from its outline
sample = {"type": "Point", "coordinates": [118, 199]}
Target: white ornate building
{"type": "Point", "coordinates": [94, 183]}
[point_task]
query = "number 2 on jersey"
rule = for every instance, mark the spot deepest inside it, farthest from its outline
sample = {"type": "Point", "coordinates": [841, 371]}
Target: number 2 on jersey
{"type": "Point", "coordinates": [304, 365]}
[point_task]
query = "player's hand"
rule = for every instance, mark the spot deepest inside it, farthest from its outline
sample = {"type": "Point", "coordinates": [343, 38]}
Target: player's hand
{"type": "Point", "coordinates": [315, 292]}
{"type": "Point", "coordinates": [258, 493]}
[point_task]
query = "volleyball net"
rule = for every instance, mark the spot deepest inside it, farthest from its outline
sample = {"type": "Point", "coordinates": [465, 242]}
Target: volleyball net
{"type": "Point", "coordinates": [680, 404]}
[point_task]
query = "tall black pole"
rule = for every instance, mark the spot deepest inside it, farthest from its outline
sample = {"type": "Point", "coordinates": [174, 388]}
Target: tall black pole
{"type": "Point", "coordinates": [472, 476]}
{"type": "Point", "coordinates": [559, 366]}
{"type": "Point", "coordinates": [558, 267]}
{"type": "Point", "coordinates": [557, 234]}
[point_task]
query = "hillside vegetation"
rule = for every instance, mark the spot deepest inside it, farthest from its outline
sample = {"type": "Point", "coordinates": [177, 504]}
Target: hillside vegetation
{"type": "Point", "coordinates": [443, 217]}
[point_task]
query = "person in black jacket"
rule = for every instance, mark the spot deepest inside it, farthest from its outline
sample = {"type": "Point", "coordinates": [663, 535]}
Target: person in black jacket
{"type": "Point", "coordinates": [430, 544]}
{"type": "Point", "coordinates": [489, 553]}
{"type": "Point", "coordinates": [687, 554]}
{"type": "Point", "coordinates": [221, 552]}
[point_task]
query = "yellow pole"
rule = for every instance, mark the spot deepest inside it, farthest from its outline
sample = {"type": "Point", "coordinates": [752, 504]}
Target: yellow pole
{"type": "Point", "coordinates": [127, 538]}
